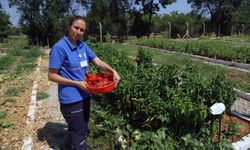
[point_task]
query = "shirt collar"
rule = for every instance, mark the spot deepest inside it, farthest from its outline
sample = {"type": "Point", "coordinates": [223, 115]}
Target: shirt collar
{"type": "Point", "coordinates": [79, 44]}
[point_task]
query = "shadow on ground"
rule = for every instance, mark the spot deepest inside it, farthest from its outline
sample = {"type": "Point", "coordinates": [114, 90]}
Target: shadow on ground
{"type": "Point", "coordinates": [55, 134]}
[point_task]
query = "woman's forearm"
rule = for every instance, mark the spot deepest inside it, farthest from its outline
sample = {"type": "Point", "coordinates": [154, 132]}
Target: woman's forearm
{"type": "Point", "coordinates": [61, 80]}
{"type": "Point", "coordinates": [102, 65]}
{"type": "Point", "coordinates": [53, 76]}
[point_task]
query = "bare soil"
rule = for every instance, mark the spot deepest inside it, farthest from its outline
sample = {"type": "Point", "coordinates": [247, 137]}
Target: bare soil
{"type": "Point", "coordinates": [244, 128]}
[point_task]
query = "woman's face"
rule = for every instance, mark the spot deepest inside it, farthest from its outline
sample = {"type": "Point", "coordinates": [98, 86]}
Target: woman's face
{"type": "Point", "coordinates": [76, 30]}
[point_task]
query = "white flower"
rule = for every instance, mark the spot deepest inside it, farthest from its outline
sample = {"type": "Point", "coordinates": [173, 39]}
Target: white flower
{"type": "Point", "coordinates": [123, 142]}
{"type": "Point", "coordinates": [137, 135]}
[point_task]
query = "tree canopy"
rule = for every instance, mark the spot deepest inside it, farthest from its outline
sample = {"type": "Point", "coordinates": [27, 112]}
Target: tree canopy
{"type": "Point", "coordinates": [111, 14]}
{"type": "Point", "coordinates": [43, 19]}
{"type": "Point", "coordinates": [242, 15]}
{"type": "Point", "coordinates": [178, 24]}
{"type": "Point", "coordinates": [5, 24]}
{"type": "Point", "coordinates": [221, 12]}
{"type": "Point", "coordinates": [149, 7]}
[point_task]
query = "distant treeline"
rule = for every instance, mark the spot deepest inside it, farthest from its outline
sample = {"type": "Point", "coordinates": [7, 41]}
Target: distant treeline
{"type": "Point", "coordinates": [45, 21]}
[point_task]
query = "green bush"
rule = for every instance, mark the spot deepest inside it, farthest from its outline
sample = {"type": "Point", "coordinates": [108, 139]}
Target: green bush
{"type": "Point", "coordinates": [210, 48]}
{"type": "Point", "coordinates": [152, 98]}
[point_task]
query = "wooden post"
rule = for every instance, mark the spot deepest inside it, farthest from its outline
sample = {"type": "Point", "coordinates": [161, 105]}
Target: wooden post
{"type": "Point", "coordinates": [37, 41]}
{"type": "Point", "coordinates": [187, 36]}
{"type": "Point", "coordinates": [100, 25]}
{"type": "Point", "coordinates": [243, 29]}
{"type": "Point", "coordinates": [169, 30]}
{"type": "Point", "coordinates": [204, 29]}
{"type": "Point", "coordinates": [48, 41]}
{"type": "Point", "coordinates": [219, 30]}
{"type": "Point", "coordinates": [232, 30]}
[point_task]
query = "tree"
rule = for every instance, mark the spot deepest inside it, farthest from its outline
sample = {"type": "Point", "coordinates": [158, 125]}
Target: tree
{"type": "Point", "coordinates": [220, 11]}
{"type": "Point", "coordinates": [54, 15]}
{"type": "Point", "coordinates": [85, 3]}
{"type": "Point", "coordinates": [117, 12]}
{"type": "Point", "coordinates": [241, 16]}
{"type": "Point", "coordinates": [96, 14]}
{"type": "Point", "coordinates": [42, 19]}
{"type": "Point", "coordinates": [5, 25]}
{"type": "Point", "coordinates": [150, 7]}
{"type": "Point", "coordinates": [139, 26]}
{"type": "Point", "coordinates": [178, 23]}
{"type": "Point", "coordinates": [111, 14]}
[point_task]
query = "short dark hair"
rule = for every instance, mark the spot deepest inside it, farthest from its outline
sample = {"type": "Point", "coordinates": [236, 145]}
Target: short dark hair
{"type": "Point", "coordinates": [74, 18]}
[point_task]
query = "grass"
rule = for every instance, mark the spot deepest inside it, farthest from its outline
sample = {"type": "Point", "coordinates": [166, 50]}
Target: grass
{"type": "Point", "coordinates": [6, 123]}
{"type": "Point", "coordinates": [240, 79]}
{"type": "Point", "coordinates": [41, 95]}
{"type": "Point", "coordinates": [3, 114]}
{"type": "Point", "coordinates": [236, 39]}
{"type": "Point", "coordinates": [5, 63]}
{"type": "Point", "coordinates": [20, 59]}
{"type": "Point", "coordinates": [12, 91]}
{"type": "Point", "coordinates": [7, 99]}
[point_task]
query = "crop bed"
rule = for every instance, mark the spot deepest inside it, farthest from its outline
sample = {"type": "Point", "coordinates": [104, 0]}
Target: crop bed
{"type": "Point", "coordinates": [147, 109]}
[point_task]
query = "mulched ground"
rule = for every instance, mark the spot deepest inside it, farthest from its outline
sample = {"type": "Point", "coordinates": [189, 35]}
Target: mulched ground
{"type": "Point", "coordinates": [244, 128]}
{"type": "Point", "coordinates": [16, 109]}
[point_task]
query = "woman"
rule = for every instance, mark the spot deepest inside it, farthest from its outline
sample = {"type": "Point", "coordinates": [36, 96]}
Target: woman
{"type": "Point", "coordinates": [68, 63]}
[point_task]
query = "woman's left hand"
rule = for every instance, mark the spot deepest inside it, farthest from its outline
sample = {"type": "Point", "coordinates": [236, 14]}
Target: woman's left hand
{"type": "Point", "coordinates": [116, 77]}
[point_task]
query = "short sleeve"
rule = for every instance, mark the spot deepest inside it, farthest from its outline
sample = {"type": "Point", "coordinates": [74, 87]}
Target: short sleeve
{"type": "Point", "coordinates": [90, 54]}
{"type": "Point", "coordinates": [57, 57]}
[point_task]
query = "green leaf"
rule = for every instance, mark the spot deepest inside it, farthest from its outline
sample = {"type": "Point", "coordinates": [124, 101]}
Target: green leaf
{"type": "Point", "coordinates": [6, 123]}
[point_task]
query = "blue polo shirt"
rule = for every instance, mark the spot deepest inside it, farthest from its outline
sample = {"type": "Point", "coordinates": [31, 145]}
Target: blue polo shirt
{"type": "Point", "coordinates": [72, 63]}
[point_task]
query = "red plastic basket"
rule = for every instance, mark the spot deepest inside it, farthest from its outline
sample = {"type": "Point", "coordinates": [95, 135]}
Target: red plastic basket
{"type": "Point", "coordinates": [99, 83]}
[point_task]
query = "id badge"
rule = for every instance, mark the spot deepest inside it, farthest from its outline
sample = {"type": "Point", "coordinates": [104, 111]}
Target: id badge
{"type": "Point", "coordinates": [84, 63]}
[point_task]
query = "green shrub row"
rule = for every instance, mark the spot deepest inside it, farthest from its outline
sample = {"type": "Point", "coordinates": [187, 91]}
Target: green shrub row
{"type": "Point", "coordinates": [164, 106]}
{"type": "Point", "coordinates": [20, 55]}
{"type": "Point", "coordinates": [209, 48]}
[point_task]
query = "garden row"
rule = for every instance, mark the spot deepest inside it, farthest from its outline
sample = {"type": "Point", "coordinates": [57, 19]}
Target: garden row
{"type": "Point", "coordinates": [209, 48]}
{"type": "Point", "coordinates": [163, 107]}
{"type": "Point", "coordinates": [238, 39]}
{"type": "Point", "coordinates": [19, 60]}
{"type": "Point", "coordinates": [240, 79]}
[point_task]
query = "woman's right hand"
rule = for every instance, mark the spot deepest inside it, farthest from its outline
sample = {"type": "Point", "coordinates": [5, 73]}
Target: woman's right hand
{"type": "Point", "coordinates": [53, 76]}
{"type": "Point", "coordinates": [82, 85]}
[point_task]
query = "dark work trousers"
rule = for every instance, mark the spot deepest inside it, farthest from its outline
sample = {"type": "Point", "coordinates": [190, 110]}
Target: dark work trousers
{"type": "Point", "coordinates": [77, 117]}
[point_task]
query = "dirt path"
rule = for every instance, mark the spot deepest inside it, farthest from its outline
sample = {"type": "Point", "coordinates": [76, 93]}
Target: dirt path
{"type": "Point", "coordinates": [49, 129]}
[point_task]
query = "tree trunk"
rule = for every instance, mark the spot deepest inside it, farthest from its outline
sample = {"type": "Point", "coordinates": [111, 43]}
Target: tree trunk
{"type": "Point", "coordinates": [150, 17]}
{"type": "Point", "coordinates": [219, 30]}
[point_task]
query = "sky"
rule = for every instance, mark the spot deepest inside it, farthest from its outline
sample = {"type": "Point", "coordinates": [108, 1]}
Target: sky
{"type": "Point", "coordinates": [180, 6]}
{"type": "Point", "coordinates": [14, 16]}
